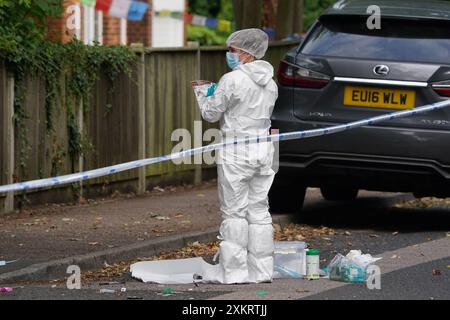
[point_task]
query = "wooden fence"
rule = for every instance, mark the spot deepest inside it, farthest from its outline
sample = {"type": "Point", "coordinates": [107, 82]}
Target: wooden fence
{"type": "Point", "coordinates": [135, 122]}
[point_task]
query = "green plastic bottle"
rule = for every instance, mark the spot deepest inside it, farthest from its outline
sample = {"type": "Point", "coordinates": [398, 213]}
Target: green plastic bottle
{"type": "Point", "coordinates": [312, 264]}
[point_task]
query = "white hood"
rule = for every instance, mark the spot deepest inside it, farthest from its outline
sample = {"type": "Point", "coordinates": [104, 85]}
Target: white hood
{"type": "Point", "coordinates": [260, 71]}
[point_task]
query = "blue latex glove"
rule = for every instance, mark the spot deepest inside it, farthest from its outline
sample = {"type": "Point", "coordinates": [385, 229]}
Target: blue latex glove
{"type": "Point", "coordinates": [212, 87]}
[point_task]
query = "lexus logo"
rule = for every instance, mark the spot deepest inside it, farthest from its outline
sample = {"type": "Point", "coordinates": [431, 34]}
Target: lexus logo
{"type": "Point", "coordinates": [381, 70]}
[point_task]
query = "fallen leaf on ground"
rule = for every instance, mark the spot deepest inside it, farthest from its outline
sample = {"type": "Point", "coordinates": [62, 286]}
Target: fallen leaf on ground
{"type": "Point", "coordinates": [93, 243]}
{"type": "Point", "coordinates": [28, 224]}
{"type": "Point", "coordinates": [162, 218]}
{"type": "Point", "coordinates": [276, 227]}
{"type": "Point", "coordinates": [299, 237]}
{"type": "Point", "coordinates": [152, 214]}
{"type": "Point", "coordinates": [291, 231]}
{"type": "Point", "coordinates": [115, 194]}
{"type": "Point", "coordinates": [436, 272]}
{"type": "Point", "coordinates": [347, 233]}
{"type": "Point", "coordinates": [301, 291]}
{"type": "Point", "coordinates": [374, 236]}
{"type": "Point", "coordinates": [395, 233]}
{"type": "Point", "coordinates": [427, 202]}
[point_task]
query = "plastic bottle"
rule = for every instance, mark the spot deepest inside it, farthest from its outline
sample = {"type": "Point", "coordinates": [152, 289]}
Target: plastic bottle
{"type": "Point", "coordinates": [312, 264]}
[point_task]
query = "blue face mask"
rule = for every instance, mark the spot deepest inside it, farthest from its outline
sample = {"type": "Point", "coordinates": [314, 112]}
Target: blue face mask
{"type": "Point", "coordinates": [233, 60]}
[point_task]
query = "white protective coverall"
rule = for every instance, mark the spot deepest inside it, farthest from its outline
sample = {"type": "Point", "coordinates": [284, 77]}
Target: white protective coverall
{"type": "Point", "coordinates": [243, 102]}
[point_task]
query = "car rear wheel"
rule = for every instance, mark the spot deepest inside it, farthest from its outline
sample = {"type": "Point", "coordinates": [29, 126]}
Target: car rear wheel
{"type": "Point", "coordinates": [339, 194]}
{"type": "Point", "coordinates": [287, 199]}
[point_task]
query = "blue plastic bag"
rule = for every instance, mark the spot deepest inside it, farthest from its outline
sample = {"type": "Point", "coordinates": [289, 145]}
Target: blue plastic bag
{"type": "Point", "coordinates": [345, 270]}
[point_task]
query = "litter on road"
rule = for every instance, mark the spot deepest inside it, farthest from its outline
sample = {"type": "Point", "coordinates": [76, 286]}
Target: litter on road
{"type": "Point", "coordinates": [436, 272]}
{"type": "Point", "coordinates": [168, 291]}
{"type": "Point", "coordinates": [107, 291]}
{"type": "Point", "coordinates": [351, 268]}
{"type": "Point", "coordinates": [4, 263]}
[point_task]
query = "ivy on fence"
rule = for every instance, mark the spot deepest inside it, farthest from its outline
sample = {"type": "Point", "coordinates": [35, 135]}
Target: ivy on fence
{"type": "Point", "coordinates": [23, 48]}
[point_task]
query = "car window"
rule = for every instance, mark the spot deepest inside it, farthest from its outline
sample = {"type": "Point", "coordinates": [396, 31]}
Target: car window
{"type": "Point", "coordinates": [397, 40]}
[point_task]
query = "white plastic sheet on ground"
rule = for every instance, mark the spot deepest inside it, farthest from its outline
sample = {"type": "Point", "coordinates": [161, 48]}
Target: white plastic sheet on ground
{"type": "Point", "coordinates": [180, 271]}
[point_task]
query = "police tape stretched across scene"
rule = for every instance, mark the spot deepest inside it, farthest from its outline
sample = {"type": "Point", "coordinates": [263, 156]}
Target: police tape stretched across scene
{"type": "Point", "coordinates": [82, 176]}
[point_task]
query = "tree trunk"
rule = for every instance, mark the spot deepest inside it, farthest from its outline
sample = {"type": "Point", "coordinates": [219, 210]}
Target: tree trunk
{"type": "Point", "coordinates": [298, 16]}
{"type": "Point", "coordinates": [285, 18]}
{"type": "Point", "coordinates": [247, 13]}
{"type": "Point", "coordinates": [238, 10]}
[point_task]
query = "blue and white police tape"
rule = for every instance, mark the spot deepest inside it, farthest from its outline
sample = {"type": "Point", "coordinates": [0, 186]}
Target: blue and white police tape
{"type": "Point", "coordinates": [82, 176]}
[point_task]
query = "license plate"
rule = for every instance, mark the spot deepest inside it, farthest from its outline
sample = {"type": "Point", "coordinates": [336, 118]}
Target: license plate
{"type": "Point", "coordinates": [379, 98]}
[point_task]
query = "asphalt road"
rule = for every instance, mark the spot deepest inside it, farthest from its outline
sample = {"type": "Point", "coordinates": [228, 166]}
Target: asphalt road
{"type": "Point", "coordinates": [413, 242]}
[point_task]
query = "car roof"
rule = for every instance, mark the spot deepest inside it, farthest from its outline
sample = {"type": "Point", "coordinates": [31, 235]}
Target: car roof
{"type": "Point", "coordinates": [416, 9]}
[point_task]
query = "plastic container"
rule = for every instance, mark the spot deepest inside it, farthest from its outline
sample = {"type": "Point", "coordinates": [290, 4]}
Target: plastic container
{"type": "Point", "coordinates": [312, 264]}
{"type": "Point", "coordinates": [200, 88]}
{"type": "Point", "coordinates": [289, 259]}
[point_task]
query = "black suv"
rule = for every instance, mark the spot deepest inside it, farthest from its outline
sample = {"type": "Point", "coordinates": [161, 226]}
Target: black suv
{"type": "Point", "coordinates": [342, 72]}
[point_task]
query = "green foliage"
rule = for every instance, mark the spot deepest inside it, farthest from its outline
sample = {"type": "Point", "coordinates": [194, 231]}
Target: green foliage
{"type": "Point", "coordinates": [24, 22]}
{"type": "Point", "coordinates": [207, 8]}
{"type": "Point", "coordinates": [226, 10]}
{"type": "Point", "coordinates": [206, 36]}
{"type": "Point", "coordinates": [221, 9]}
{"type": "Point", "coordinates": [23, 25]}
{"type": "Point", "coordinates": [312, 9]}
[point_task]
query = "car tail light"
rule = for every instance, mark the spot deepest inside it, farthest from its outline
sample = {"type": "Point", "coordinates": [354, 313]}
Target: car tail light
{"type": "Point", "coordinates": [442, 88]}
{"type": "Point", "coordinates": [292, 75]}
